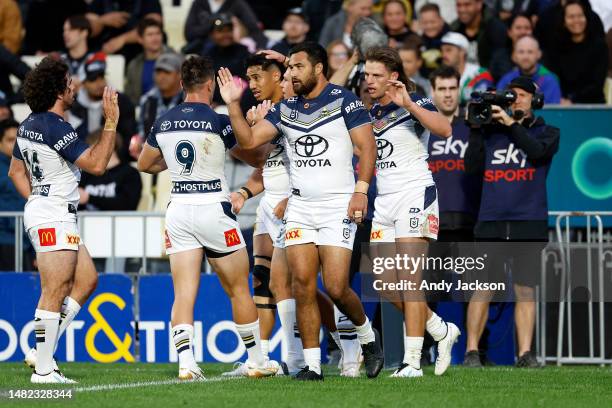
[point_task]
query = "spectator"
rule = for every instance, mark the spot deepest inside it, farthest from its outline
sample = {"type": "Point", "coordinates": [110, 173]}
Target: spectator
{"type": "Point", "coordinates": [203, 14]}
{"type": "Point", "coordinates": [5, 109]}
{"type": "Point", "coordinates": [446, 8]}
{"type": "Point", "coordinates": [337, 54]}
{"type": "Point", "coordinates": [434, 28]}
{"type": "Point", "coordinates": [486, 35]}
{"type": "Point", "coordinates": [225, 51]}
{"type": "Point", "coordinates": [86, 113]}
{"type": "Point", "coordinates": [295, 28]}
{"type": "Point", "coordinates": [77, 30]}
{"type": "Point", "coordinates": [10, 199]}
{"type": "Point", "coordinates": [473, 77]}
{"type": "Point", "coordinates": [394, 23]}
{"type": "Point", "coordinates": [318, 12]}
{"type": "Point", "coordinates": [11, 64]}
{"type": "Point", "coordinates": [10, 25]}
{"type": "Point", "coordinates": [340, 25]}
{"type": "Point", "coordinates": [114, 24]}
{"type": "Point", "coordinates": [272, 13]}
{"type": "Point", "coordinates": [165, 95]}
{"type": "Point", "coordinates": [118, 189]}
{"type": "Point", "coordinates": [527, 57]}
{"type": "Point", "coordinates": [505, 9]}
{"type": "Point", "coordinates": [518, 26]}
{"type": "Point", "coordinates": [580, 56]}
{"type": "Point", "coordinates": [139, 74]}
{"type": "Point", "coordinates": [412, 62]}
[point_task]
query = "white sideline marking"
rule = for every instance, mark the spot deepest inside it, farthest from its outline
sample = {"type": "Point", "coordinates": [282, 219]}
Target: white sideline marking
{"type": "Point", "coordinates": [110, 387]}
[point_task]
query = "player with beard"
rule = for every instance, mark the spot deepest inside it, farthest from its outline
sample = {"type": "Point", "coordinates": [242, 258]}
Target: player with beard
{"type": "Point", "coordinates": [46, 169]}
{"type": "Point", "coordinates": [320, 126]}
{"type": "Point", "coordinates": [406, 209]}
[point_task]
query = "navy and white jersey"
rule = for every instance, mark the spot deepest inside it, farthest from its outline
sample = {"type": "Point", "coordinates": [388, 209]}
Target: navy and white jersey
{"type": "Point", "coordinates": [49, 146]}
{"type": "Point", "coordinates": [276, 172]}
{"type": "Point", "coordinates": [320, 149]}
{"type": "Point", "coordinates": [401, 161]}
{"type": "Point", "coordinates": [193, 138]}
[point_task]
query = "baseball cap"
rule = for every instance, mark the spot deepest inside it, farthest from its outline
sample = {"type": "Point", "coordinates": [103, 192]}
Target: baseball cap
{"type": "Point", "coordinates": [169, 62]}
{"type": "Point", "coordinates": [457, 39]}
{"type": "Point", "coordinates": [297, 11]}
{"type": "Point", "coordinates": [221, 20]}
{"type": "Point", "coordinates": [95, 66]}
{"type": "Point", "coordinates": [525, 83]}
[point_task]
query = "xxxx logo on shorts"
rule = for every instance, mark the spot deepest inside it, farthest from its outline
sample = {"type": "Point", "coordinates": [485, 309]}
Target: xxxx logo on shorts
{"type": "Point", "coordinates": [434, 225]}
{"type": "Point", "coordinates": [167, 241]}
{"type": "Point", "coordinates": [231, 237]}
{"type": "Point", "coordinates": [294, 233]}
{"type": "Point", "coordinates": [46, 237]}
{"type": "Point", "coordinates": [376, 235]}
{"type": "Point", "coordinates": [73, 239]}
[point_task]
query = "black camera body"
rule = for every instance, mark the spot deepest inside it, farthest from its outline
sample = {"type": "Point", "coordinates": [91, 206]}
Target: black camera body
{"type": "Point", "coordinates": [479, 108]}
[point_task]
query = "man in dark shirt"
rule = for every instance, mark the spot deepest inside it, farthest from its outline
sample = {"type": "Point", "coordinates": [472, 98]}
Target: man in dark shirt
{"type": "Point", "coordinates": [296, 28]}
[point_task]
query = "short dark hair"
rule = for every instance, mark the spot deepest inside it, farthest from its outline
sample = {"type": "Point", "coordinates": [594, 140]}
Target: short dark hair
{"type": "Point", "coordinates": [45, 83]}
{"type": "Point", "coordinates": [400, 2]}
{"type": "Point", "coordinates": [146, 23]}
{"type": "Point", "coordinates": [260, 60]}
{"type": "Point", "coordinates": [80, 22]}
{"type": "Point", "coordinates": [411, 46]}
{"type": "Point", "coordinates": [316, 53]}
{"type": "Point", "coordinates": [195, 71]}
{"type": "Point", "coordinates": [390, 58]}
{"type": "Point", "coordinates": [516, 16]}
{"type": "Point", "coordinates": [430, 7]}
{"type": "Point", "coordinates": [7, 124]}
{"type": "Point", "coordinates": [444, 72]}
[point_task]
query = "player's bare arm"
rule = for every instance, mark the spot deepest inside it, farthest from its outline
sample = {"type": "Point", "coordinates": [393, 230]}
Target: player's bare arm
{"type": "Point", "coordinates": [19, 174]}
{"type": "Point", "coordinates": [95, 159]}
{"type": "Point", "coordinates": [151, 160]}
{"type": "Point", "coordinates": [247, 137]}
{"type": "Point", "coordinates": [434, 121]}
{"type": "Point", "coordinates": [363, 140]}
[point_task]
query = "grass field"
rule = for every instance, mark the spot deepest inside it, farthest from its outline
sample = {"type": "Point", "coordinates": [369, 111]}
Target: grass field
{"type": "Point", "coordinates": [127, 385]}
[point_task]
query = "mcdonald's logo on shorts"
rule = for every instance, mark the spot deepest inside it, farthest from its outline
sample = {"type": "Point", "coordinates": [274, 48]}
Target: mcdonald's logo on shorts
{"type": "Point", "coordinates": [294, 233]}
{"type": "Point", "coordinates": [376, 235]}
{"type": "Point", "coordinates": [167, 240]}
{"type": "Point", "coordinates": [231, 237]}
{"type": "Point", "coordinates": [73, 239]}
{"type": "Point", "coordinates": [46, 237]}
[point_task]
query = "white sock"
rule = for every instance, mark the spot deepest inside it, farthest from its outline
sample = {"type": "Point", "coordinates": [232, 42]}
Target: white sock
{"type": "Point", "coordinates": [182, 335]}
{"type": "Point", "coordinates": [70, 308]}
{"type": "Point", "coordinates": [286, 314]}
{"type": "Point", "coordinates": [365, 332]}
{"type": "Point", "coordinates": [349, 343]}
{"type": "Point", "coordinates": [412, 351]}
{"type": "Point", "coordinates": [250, 337]}
{"type": "Point", "coordinates": [46, 328]}
{"type": "Point", "coordinates": [265, 347]}
{"type": "Point", "coordinates": [436, 327]}
{"type": "Point", "coordinates": [312, 357]}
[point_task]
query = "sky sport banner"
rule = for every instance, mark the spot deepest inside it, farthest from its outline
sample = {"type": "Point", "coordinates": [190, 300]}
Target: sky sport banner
{"type": "Point", "coordinates": [101, 332]}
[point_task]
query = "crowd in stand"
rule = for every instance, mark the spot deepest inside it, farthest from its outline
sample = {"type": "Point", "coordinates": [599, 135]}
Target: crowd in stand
{"type": "Point", "coordinates": [563, 45]}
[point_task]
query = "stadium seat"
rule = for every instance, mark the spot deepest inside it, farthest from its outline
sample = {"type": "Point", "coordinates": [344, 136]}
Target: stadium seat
{"type": "Point", "coordinates": [174, 22]}
{"type": "Point", "coordinates": [608, 90]}
{"type": "Point", "coordinates": [274, 35]}
{"type": "Point", "coordinates": [20, 111]}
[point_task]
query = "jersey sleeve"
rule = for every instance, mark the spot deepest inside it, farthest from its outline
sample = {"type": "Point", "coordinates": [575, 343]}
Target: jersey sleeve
{"type": "Point", "coordinates": [65, 141]}
{"type": "Point", "coordinates": [424, 102]}
{"type": "Point", "coordinates": [354, 111]}
{"type": "Point", "coordinates": [152, 136]}
{"type": "Point", "coordinates": [16, 152]}
{"type": "Point", "coordinates": [226, 131]}
{"type": "Point", "coordinates": [274, 116]}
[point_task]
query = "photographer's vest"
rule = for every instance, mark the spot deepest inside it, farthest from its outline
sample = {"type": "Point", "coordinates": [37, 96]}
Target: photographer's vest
{"type": "Point", "coordinates": [514, 188]}
{"type": "Point", "coordinates": [457, 190]}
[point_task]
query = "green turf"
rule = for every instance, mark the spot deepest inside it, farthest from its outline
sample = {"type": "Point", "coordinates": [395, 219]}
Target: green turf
{"type": "Point", "coordinates": [459, 387]}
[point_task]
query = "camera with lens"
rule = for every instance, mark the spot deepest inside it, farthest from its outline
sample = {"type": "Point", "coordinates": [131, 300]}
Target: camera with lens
{"type": "Point", "coordinates": [479, 109]}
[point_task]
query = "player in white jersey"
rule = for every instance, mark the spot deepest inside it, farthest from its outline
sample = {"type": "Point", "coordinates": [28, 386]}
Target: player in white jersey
{"type": "Point", "coordinates": [46, 169]}
{"type": "Point", "coordinates": [320, 126]}
{"type": "Point", "coordinates": [406, 209]}
{"type": "Point", "coordinates": [190, 141]}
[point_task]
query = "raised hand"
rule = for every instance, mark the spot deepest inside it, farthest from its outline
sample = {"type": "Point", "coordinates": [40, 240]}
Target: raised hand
{"type": "Point", "coordinates": [229, 89]}
{"type": "Point", "coordinates": [110, 105]}
{"type": "Point", "coordinates": [398, 93]}
{"type": "Point", "coordinates": [255, 114]}
{"type": "Point", "coordinates": [274, 55]}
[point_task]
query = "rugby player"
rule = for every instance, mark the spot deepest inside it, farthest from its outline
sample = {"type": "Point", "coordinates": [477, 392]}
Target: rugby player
{"type": "Point", "coordinates": [406, 209]}
{"type": "Point", "coordinates": [46, 169]}
{"type": "Point", "coordinates": [190, 140]}
{"type": "Point", "coordinates": [320, 126]}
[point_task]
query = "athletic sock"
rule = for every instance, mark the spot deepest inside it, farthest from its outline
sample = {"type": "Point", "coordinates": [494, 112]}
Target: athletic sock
{"type": "Point", "coordinates": [70, 308]}
{"type": "Point", "coordinates": [436, 327]}
{"type": "Point", "coordinates": [182, 334]}
{"type": "Point", "coordinates": [312, 357]}
{"type": "Point", "coordinates": [250, 337]}
{"type": "Point", "coordinates": [265, 347]}
{"type": "Point", "coordinates": [46, 327]}
{"type": "Point", "coordinates": [349, 343]}
{"type": "Point", "coordinates": [286, 314]}
{"type": "Point", "coordinates": [336, 336]}
{"type": "Point", "coordinates": [412, 351]}
{"type": "Point", "coordinates": [365, 332]}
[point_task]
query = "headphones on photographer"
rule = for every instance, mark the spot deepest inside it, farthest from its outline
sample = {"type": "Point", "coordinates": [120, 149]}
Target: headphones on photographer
{"type": "Point", "coordinates": [537, 99]}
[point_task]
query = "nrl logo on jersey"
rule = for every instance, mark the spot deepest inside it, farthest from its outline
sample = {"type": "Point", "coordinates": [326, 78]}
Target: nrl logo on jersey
{"type": "Point", "coordinates": [187, 110]}
{"type": "Point", "coordinates": [335, 92]}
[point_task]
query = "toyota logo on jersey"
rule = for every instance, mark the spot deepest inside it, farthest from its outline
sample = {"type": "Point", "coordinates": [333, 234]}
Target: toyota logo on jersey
{"type": "Point", "coordinates": [278, 150]}
{"type": "Point", "coordinates": [311, 146]}
{"type": "Point", "coordinates": [385, 149]}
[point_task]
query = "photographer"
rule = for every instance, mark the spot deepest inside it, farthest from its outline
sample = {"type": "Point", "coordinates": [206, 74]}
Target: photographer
{"type": "Point", "coordinates": [513, 152]}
